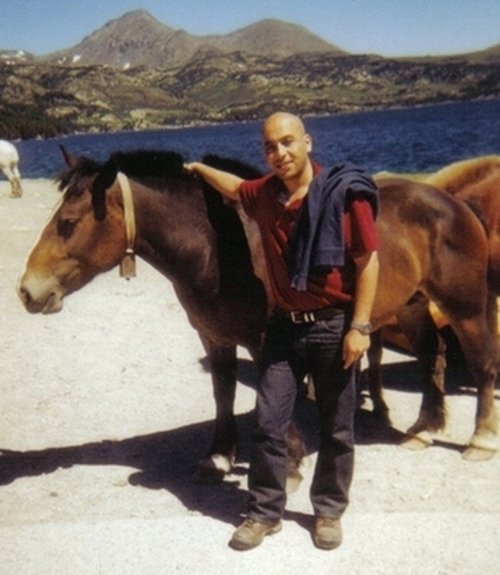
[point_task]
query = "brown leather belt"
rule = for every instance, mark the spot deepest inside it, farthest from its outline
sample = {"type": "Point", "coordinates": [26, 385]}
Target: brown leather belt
{"type": "Point", "coordinates": [322, 314]}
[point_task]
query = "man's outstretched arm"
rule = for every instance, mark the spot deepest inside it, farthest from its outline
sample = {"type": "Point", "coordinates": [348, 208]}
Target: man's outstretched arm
{"type": "Point", "coordinates": [224, 182]}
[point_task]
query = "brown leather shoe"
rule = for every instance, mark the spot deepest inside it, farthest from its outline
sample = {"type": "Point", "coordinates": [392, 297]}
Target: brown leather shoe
{"type": "Point", "coordinates": [327, 532]}
{"type": "Point", "coordinates": [251, 533]}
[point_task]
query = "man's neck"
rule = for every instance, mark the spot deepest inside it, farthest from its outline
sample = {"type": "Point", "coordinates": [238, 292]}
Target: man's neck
{"type": "Point", "coordinates": [298, 187]}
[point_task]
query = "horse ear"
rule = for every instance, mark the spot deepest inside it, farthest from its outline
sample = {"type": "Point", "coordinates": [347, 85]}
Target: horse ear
{"type": "Point", "coordinates": [103, 180]}
{"type": "Point", "coordinates": [70, 159]}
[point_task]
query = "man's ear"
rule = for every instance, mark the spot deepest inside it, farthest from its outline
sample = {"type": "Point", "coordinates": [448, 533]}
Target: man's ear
{"type": "Point", "coordinates": [309, 142]}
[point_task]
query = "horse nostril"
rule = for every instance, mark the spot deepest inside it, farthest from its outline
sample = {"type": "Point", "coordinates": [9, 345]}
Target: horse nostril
{"type": "Point", "coordinates": [25, 295]}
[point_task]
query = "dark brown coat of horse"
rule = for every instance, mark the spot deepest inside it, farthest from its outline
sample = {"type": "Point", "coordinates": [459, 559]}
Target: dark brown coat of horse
{"type": "Point", "coordinates": [186, 232]}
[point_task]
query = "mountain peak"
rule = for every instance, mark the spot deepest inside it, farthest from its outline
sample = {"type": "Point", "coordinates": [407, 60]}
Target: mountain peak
{"type": "Point", "coordinates": [138, 39]}
{"type": "Point", "coordinates": [277, 37]}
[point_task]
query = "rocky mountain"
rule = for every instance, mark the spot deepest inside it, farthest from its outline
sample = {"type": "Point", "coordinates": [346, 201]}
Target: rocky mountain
{"type": "Point", "coordinates": [136, 73]}
{"type": "Point", "coordinates": [138, 39]}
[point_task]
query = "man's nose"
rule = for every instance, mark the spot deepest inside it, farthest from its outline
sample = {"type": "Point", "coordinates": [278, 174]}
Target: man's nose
{"type": "Point", "coordinates": [281, 150]}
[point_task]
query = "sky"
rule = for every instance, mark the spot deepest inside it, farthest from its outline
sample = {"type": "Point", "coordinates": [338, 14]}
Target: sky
{"type": "Point", "coordinates": [386, 27]}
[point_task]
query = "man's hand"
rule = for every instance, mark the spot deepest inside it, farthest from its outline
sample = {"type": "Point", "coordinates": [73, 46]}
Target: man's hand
{"type": "Point", "coordinates": [224, 182]}
{"type": "Point", "coordinates": [355, 345]}
{"type": "Point", "coordinates": [190, 168]}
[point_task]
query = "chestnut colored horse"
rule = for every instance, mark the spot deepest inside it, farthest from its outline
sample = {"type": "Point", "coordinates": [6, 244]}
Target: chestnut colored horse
{"type": "Point", "coordinates": [429, 243]}
{"type": "Point", "coordinates": [476, 181]}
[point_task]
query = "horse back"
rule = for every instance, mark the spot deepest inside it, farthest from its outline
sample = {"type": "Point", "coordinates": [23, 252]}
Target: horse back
{"type": "Point", "coordinates": [428, 240]}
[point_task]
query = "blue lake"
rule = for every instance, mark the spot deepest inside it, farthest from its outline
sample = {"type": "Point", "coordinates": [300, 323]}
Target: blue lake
{"type": "Point", "coordinates": [420, 139]}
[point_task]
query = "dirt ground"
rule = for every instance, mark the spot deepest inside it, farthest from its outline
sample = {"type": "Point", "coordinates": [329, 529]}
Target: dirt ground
{"type": "Point", "coordinates": [106, 408]}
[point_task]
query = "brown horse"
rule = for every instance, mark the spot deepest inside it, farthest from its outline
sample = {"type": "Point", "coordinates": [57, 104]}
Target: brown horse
{"type": "Point", "coordinates": [476, 181]}
{"type": "Point", "coordinates": [187, 233]}
{"type": "Point", "coordinates": [430, 243]}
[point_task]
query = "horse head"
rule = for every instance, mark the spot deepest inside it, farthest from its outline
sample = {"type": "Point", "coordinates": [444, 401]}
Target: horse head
{"type": "Point", "coordinates": [84, 236]}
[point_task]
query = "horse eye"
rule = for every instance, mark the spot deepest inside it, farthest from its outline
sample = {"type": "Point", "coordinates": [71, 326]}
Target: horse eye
{"type": "Point", "coordinates": [66, 227]}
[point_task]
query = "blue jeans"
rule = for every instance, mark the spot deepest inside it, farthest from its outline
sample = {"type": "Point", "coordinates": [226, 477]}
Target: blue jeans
{"type": "Point", "coordinates": [290, 352]}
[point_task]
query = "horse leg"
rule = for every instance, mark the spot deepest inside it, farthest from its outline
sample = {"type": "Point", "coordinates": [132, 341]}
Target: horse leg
{"type": "Point", "coordinates": [296, 452]}
{"type": "Point", "coordinates": [480, 348]}
{"type": "Point", "coordinates": [492, 319]}
{"type": "Point", "coordinates": [222, 452]}
{"type": "Point", "coordinates": [430, 348]}
{"type": "Point", "coordinates": [18, 190]}
{"type": "Point", "coordinates": [375, 382]}
{"type": "Point", "coordinates": [14, 183]}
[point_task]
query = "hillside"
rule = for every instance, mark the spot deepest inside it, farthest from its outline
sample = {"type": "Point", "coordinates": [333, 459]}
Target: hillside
{"type": "Point", "coordinates": [136, 73]}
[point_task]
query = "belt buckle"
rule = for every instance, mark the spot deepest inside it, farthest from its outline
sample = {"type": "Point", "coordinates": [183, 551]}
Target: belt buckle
{"type": "Point", "coordinates": [302, 316]}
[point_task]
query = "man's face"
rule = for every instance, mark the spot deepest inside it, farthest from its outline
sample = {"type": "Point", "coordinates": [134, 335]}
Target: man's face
{"type": "Point", "coordinates": [286, 146]}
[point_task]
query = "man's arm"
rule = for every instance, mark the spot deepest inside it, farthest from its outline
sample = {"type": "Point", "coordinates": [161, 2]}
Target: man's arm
{"type": "Point", "coordinates": [355, 342]}
{"type": "Point", "coordinates": [224, 182]}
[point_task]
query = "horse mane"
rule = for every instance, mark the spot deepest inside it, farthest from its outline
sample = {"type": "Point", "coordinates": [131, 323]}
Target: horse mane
{"type": "Point", "coordinates": [149, 163]}
{"type": "Point", "coordinates": [152, 163]}
{"type": "Point", "coordinates": [136, 163]}
{"type": "Point", "coordinates": [84, 167]}
{"type": "Point", "coordinates": [462, 174]}
{"type": "Point", "coordinates": [241, 169]}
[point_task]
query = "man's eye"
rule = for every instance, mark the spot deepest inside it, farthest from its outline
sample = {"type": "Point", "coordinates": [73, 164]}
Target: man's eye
{"type": "Point", "coordinates": [66, 227]}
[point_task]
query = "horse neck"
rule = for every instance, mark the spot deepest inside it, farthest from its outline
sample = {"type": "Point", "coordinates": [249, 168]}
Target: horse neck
{"type": "Point", "coordinates": [175, 237]}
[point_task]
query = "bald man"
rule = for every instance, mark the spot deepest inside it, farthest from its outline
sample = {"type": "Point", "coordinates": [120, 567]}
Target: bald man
{"type": "Point", "coordinates": [320, 325]}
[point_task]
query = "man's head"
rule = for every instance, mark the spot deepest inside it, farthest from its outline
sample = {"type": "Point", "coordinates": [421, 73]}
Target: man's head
{"type": "Point", "coordinates": [286, 145]}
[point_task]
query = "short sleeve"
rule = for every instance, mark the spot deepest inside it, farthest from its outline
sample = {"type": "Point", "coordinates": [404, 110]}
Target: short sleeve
{"type": "Point", "coordinates": [363, 228]}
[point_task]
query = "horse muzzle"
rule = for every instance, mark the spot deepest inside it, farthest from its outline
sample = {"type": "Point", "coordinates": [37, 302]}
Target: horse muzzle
{"type": "Point", "coordinates": [40, 295]}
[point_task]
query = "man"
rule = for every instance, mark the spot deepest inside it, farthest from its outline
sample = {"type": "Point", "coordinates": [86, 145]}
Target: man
{"type": "Point", "coordinates": [320, 244]}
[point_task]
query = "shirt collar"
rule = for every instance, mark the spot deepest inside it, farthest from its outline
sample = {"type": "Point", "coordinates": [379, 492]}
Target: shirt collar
{"type": "Point", "coordinates": [281, 191]}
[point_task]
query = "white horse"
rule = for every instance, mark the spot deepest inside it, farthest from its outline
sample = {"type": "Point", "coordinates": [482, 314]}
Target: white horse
{"type": "Point", "coordinates": [9, 158]}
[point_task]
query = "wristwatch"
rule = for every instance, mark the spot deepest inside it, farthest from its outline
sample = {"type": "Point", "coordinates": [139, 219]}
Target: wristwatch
{"type": "Point", "coordinates": [363, 328]}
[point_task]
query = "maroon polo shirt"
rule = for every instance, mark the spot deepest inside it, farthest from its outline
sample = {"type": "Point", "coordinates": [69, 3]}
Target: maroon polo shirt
{"type": "Point", "coordinates": [262, 200]}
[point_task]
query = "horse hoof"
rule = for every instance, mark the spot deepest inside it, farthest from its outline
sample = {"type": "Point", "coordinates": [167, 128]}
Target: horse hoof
{"type": "Point", "coordinates": [418, 442]}
{"type": "Point", "coordinates": [293, 481]}
{"type": "Point", "coordinates": [480, 449]}
{"type": "Point", "coordinates": [213, 469]}
{"type": "Point", "coordinates": [473, 453]}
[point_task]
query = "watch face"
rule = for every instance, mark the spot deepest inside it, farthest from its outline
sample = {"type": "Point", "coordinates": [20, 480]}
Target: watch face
{"type": "Point", "coordinates": [364, 328]}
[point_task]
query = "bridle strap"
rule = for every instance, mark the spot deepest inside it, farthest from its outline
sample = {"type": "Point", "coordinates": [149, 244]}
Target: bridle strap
{"type": "Point", "coordinates": [127, 265]}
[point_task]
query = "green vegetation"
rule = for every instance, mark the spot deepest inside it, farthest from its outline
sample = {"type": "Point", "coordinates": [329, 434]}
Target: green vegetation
{"type": "Point", "coordinates": [43, 99]}
{"type": "Point", "coordinates": [20, 121]}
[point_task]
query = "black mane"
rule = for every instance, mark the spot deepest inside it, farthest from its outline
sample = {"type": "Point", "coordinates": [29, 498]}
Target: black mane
{"type": "Point", "coordinates": [149, 163]}
{"type": "Point", "coordinates": [245, 171]}
{"type": "Point", "coordinates": [167, 163]}
{"type": "Point", "coordinates": [152, 163]}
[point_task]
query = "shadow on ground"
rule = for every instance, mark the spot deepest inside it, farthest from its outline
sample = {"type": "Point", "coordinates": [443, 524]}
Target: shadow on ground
{"type": "Point", "coordinates": [167, 460]}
